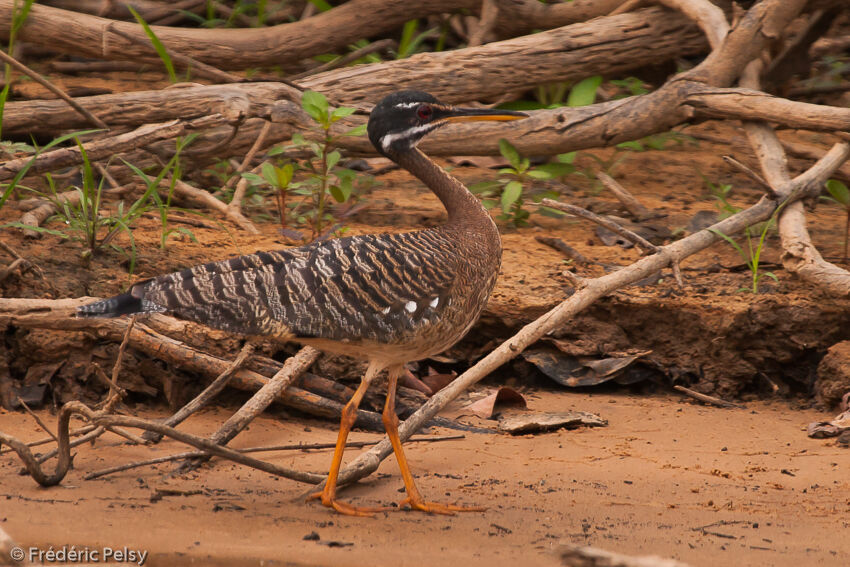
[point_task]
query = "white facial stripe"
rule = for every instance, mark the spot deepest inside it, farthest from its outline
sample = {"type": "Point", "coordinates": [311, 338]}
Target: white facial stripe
{"type": "Point", "coordinates": [388, 139]}
{"type": "Point", "coordinates": [407, 104]}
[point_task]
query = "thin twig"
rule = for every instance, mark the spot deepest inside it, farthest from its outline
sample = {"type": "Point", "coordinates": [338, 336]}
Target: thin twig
{"type": "Point", "coordinates": [751, 173]}
{"type": "Point", "coordinates": [635, 207]}
{"type": "Point", "coordinates": [111, 420]}
{"type": "Point", "coordinates": [37, 419]}
{"type": "Point", "coordinates": [374, 47]}
{"type": "Point", "coordinates": [116, 393]}
{"type": "Point", "coordinates": [706, 398]}
{"type": "Point", "coordinates": [604, 222]}
{"type": "Point", "coordinates": [242, 186]}
{"type": "Point", "coordinates": [45, 440]}
{"type": "Point", "coordinates": [207, 394]}
{"type": "Point", "coordinates": [565, 249]}
{"type": "Point", "coordinates": [54, 89]}
{"type": "Point", "coordinates": [263, 449]}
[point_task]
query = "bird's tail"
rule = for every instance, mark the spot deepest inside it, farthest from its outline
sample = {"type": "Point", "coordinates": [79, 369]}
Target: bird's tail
{"type": "Point", "coordinates": [124, 304]}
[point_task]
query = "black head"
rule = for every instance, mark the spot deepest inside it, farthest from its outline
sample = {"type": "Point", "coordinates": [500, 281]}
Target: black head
{"type": "Point", "coordinates": [401, 119]}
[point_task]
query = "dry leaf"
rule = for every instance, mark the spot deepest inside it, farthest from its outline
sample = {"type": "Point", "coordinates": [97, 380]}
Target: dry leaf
{"type": "Point", "coordinates": [486, 406]}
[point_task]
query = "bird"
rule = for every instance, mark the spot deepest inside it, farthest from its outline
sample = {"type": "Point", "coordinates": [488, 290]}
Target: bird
{"type": "Point", "coordinates": [387, 298]}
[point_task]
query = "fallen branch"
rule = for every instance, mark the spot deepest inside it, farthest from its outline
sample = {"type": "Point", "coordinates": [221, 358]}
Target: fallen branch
{"type": "Point", "coordinates": [105, 147]}
{"type": "Point", "coordinates": [94, 120]}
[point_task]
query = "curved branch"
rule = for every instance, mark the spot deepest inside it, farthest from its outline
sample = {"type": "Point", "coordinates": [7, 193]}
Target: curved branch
{"type": "Point", "coordinates": [708, 17]}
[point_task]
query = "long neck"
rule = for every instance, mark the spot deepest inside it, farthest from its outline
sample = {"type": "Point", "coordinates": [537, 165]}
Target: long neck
{"type": "Point", "coordinates": [465, 211]}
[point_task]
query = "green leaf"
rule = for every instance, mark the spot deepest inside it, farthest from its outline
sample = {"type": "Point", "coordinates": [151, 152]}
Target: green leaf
{"type": "Point", "coordinates": [188, 233]}
{"type": "Point", "coordinates": [556, 169]}
{"type": "Point", "coordinates": [316, 105]}
{"type": "Point", "coordinates": [568, 157]}
{"type": "Point", "coordinates": [510, 195]}
{"type": "Point", "coordinates": [483, 186]}
{"type": "Point", "coordinates": [510, 153]}
{"type": "Point", "coordinates": [332, 159]}
{"type": "Point", "coordinates": [298, 139]}
{"type": "Point", "coordinates": [284, 175]}
{"type": "Point", "coordinates": [839, 191]}
{"type": "Point", "coordinates": [583, 93]}
{"type": "Point", "coordinates": [356, 131]}
{"type": "Point", "coordinates": [253, 178]}
{"type": "Point", "coordinates": [268, 172]}
{"type": "Point", "coordinates": [539, 173]}
{"type": "Point", "coordinates": [157, 45]}
{"type": "Point", "coordinates": [342, 112]}
{"type": "Point", "coordinates": [337, 194]}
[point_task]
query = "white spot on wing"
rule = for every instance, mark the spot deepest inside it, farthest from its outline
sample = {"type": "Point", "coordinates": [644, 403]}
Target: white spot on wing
{"type": "Point", "coordinates": [385, 310]}
{"type": "Point", "coordinates": [434, 302]}
{"type": "Point", "coordinates": [410, 306]}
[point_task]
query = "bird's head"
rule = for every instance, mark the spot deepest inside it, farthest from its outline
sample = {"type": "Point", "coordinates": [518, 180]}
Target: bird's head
{"type": "Point", "coordinates": [401, 119]}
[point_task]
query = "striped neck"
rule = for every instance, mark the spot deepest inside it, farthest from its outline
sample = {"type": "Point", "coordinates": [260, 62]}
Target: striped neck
{"type": "Point", "coordinates": [464, 209]}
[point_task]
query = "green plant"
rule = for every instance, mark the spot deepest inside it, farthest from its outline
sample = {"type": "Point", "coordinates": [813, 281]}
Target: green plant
{"type": "Point", "coordinates": [839, 194]}
{"type": "Point", "coordinates": [511, 191]}
{"type": "Point", "coordinates": [410, 40]}
{"type": "Point", "coordinates": [19, 16]}
{"type": "Point", "coordinates": [323, 178]}
{"type": "Point", "coordinates": [163, 206]}
{"type": "Point", "coordinates": [157, 45]}
{"type": "Point", "coordinates": [752, 256]}
{"type": "Point", "coordinates": [720, 192]}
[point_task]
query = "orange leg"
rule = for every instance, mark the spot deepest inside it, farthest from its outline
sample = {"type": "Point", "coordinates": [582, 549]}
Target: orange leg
{"type": "Point", "coordinates": [349, 416]}
{"type": "Point", "coordinates": [414, 498]}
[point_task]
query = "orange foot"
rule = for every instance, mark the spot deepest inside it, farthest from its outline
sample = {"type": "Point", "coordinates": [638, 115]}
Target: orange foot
{"type": "Point", "coordinates": [437, 508]}
{"type": "Point", "coordinates": [347, 509]}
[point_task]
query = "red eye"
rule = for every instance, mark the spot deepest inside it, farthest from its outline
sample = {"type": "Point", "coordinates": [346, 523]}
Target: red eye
{"type": "Point", "coordinates": [424, 112]}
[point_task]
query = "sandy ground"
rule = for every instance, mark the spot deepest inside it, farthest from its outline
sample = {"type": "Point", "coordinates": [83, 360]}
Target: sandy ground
{"type": "Point", "coordinates": [667, 477]}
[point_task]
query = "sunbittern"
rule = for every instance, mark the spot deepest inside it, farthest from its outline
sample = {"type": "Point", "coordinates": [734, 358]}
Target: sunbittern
{"type": "Point", "coordinates": [388, 298]}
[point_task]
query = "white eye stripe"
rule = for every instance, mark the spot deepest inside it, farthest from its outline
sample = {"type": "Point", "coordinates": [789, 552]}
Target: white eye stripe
{"type": "Point", "coordinates": [407, 104]}
{"type": "Point", "coordinates": [388, 139]}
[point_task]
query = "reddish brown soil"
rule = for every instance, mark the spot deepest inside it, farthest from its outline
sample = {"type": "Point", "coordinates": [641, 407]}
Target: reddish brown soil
{"type": "Point", "coordinates": [647, 484]}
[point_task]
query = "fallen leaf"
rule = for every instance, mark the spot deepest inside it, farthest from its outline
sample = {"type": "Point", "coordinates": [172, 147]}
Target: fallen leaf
{"type": "Point", "coordinates": [438, 381]}
{"type": "Point", "coordinates": [486, 406]}
{"type": "Point", "coordinates": [824, 429]}
{"type": "Point", "coordinates": [527, 422]}
{"type": "Point", "coordinates": [573, 372]}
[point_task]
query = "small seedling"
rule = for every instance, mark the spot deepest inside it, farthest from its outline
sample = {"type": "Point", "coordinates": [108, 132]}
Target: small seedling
{"type": "Point", "coordinates": [839, 194]}
{"type": "Point", "coordinates": [511, 191]}
{"type": "Point", "coordinates": [324, 180]}
{"type": "Point", "coordinates": [752, 257]}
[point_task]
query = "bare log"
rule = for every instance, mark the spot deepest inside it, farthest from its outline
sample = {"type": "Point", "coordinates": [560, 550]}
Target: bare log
{"type": "Point", "coordinates": [103, 148]}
